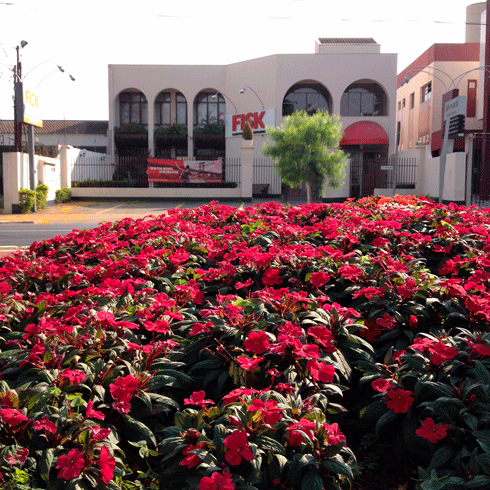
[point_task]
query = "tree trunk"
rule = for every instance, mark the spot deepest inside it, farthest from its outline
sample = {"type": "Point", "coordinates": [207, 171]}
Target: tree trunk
{"type": "Point", "coordinates": [314, 191]}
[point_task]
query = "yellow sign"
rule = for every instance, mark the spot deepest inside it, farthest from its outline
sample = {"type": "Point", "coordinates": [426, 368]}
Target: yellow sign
{"type": "Point", "coordinates": [32, 109]}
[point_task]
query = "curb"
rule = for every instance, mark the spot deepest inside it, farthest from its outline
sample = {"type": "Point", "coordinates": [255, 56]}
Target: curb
{"type": "Point", "coordinates": [4, 222]}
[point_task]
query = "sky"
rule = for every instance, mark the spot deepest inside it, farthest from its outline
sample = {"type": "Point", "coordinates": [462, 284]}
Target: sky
{"type": "Point", "coordinates": [84, 37]}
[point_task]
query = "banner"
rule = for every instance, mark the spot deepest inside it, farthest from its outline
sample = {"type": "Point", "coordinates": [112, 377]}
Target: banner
{"type": "Point", "coordinates": [193, 172]}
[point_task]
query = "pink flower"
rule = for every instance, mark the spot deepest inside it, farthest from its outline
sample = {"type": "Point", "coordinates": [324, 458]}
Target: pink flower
{"type": "Point", "coordinates": [297, 428]}
{"type": "Point", "coordinates": [441, 352]}
{"type": "Point", "coordinates": [334, 436]}
{"type": "Point", "coordinates": [431, 431]}
{"type": "Point", "coordinates": [98, 433]}
{"type": "Point", "coordinates": [238, 448]}
{"type": "Point", "coordinates": [72, 465]}
{"type": "Point", "coordinates": [198, 398]}
{"type": "Point", "coordinates": [123, 388]}
{"type": "Point", "coordinates": [269, 410]}
{"type": "Point", "coordinates": [191, 460]}
{"type": "Point", "coordinates": [217, 481]}
{"type": "Point", "coordinates": [107, 463]}
{"type": "Point", "coordinates": [19, 457]}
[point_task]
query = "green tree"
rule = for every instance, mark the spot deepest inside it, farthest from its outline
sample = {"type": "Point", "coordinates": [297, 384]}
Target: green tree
{"type": "Point", "coordinates": [305, 149]}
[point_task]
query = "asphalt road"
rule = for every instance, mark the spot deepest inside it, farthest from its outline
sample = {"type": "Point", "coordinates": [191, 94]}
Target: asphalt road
{"type": "Point", "coordinates": [21, 230]}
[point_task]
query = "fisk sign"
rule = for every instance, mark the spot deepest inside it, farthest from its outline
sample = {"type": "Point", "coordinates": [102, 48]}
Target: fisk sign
{"type": "Point", "coordinates": [258, 121]}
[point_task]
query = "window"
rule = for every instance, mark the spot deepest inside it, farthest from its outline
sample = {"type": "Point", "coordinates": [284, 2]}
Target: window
{"type": "Point", "coordinates": [209, 107]}
{"type": "Point", "coordinates": [399, 105]}
{"type": "Point", "coordinates": [412, 100]}
{"type": "Point", "coordinates": [133, 108]}
{"type": "Point", "coordinates": [425, 92]}
{"type": "Point", "coordinates": [306, 96]}
{"type": "Point", "coordinates": [403, 103]}
{"type": "Point", "coordinates": [163, 113]}
{"type": "Point", "coordinates": [162, 109]}
{"type": "Point", "coordinates": [363, 98]}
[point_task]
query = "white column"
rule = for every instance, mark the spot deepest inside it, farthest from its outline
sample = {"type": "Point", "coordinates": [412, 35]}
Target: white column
{"type": "Point", "coordinates": [247, 168]}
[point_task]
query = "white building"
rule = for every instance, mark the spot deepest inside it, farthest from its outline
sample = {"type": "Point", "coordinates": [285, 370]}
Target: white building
{"type": "Point", "coordinates": [347, 77]}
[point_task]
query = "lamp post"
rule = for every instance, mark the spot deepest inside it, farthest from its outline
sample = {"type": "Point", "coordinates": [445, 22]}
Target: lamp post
{"type": "Point", "coordinates": [454, 82]}
{"type": "Point", "coordinates": [221, 93]}
{"type": "Point", "coordinates": [243, 90]}
{"type": "Point", "coordinates": [17, 102]}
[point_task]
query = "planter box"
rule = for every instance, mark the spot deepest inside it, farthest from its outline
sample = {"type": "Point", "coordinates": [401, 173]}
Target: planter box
{"type": "Point", "coordinates": [131, 139]}
{"type": "Point", "coordinates": [171, 140]}
{"type": "Point", "coordinates": [209, 140]}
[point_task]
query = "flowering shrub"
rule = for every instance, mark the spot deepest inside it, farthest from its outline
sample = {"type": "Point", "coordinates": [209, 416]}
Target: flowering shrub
{"type": "Point", "coordinates": [249, 348]}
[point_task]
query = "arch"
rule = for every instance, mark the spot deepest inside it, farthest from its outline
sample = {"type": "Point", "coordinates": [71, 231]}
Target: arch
{"type": "Point", "coordinates": [307, 95]}
{"type": "Point", "coordinates": [364, 97]}
{"type": "Point", "coordinates": [209, 107]}
{"type": "Point", "coordinates": [170, 106]}
{"type": "Point", "coordinates": [133, 107]}
{"type": "Point", "coordinates": [364, 133]}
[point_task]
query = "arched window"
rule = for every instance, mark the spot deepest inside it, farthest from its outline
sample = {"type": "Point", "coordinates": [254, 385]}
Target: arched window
{"type": "Point", "coordinates": [133, 108]}
{"type": "Point", "coordinates": [364, 98]}
{"type": "Point", "coordinates": [209, 108]}
{"type": "Point", "coordinates": [163, 109]}
{"type": "Point", "coordinates": [306, 96]}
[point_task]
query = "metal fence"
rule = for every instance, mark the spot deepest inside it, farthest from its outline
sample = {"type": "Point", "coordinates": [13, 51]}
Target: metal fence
{"type": "Point", "coordinates": [131, 171]}
{"type": "Point", "coordinates": [406, 174]}
{"type": "Point", "coordinates": [266, 180]}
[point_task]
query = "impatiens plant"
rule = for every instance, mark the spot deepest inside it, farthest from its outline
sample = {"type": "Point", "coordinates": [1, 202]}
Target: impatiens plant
{"type": "Point", "coordinates": [293, 348]}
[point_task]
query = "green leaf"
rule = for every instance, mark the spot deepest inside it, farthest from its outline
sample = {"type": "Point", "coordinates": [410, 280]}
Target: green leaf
{"type": "Point", "coordinates": [441, 456]}
{"type": "Point", "coordinates": [139, 428]}
{"type": "Point", "coordinates": [385, 419]}
{"type": "Point", "coordinates": [336, 466]}
{"type": "Point", "coordinates": [481, 373]}
{"type": "Point", "coordinates": [479, 481]}
{"type": "Point", "coordinates": [312, 481]}
{"type": "Point", "coordinates": [44, 464]}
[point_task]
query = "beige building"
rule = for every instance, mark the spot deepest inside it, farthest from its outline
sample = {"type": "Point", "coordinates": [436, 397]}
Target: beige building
{"type": "Point", "coordinates": [171, 111]}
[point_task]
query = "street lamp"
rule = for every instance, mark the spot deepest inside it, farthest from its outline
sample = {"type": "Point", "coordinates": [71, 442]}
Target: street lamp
{"type": "Point", "coordinates": [215, 96]}
{"type": "Point", "coordinates": [454, 82]}
{"type": "Point", "coordinates": [245, 88]}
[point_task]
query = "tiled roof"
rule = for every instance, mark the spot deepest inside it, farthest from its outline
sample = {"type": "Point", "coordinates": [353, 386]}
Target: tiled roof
{"type": "Point", "coordinates": [346, 40]}
{"type": "Point", "coordinates": [62, 127]}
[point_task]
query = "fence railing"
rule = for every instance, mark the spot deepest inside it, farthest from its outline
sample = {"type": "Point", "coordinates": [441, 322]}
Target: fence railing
{"type": "Point", "coordinates": [266, 179]}
{"type": "Point", "coordinates": [131, 171]}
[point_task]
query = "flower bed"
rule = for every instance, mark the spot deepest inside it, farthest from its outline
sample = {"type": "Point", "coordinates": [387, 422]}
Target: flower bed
{"type": "Point", "coordinates": [256, 348]}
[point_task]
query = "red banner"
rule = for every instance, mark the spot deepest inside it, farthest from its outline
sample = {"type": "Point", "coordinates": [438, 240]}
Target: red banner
{"type": "Point", "coordinates": [195, 172]}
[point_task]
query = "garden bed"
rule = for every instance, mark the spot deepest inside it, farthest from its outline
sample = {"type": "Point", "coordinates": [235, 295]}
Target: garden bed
{"type": "Point", "coordinates": [325, 346]}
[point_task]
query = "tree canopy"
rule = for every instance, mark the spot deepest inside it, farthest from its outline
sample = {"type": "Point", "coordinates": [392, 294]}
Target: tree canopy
{"type": "Point", "coordinates": [305, 149]}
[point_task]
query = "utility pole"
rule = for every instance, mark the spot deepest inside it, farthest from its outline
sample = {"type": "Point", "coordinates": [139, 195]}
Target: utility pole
{"type": "Point", "coordinates": [17, 123]}
{"type": "Point", "coordinates": [485, 160]}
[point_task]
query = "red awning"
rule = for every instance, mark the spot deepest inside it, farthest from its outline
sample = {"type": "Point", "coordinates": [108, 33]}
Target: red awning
{"type": "Point", "coordinates": [364, 133]}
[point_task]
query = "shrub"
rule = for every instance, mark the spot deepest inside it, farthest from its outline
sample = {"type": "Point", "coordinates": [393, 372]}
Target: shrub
{"type": "Point", "coordinates": [27, 198]}
{"type": "Point", "coordinates": [62, 195]}
{"type": "Point", "coordinates": [41, 195]}
{"type": "Point", "coordinates": [247, 132]}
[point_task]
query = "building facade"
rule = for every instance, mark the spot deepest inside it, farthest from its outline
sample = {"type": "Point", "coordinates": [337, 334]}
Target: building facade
{"type": "Point", "coordinates": [198, 112]}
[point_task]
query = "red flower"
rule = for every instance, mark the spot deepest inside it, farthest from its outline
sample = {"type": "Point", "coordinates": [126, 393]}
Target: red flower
{"type": "Point", "coordinates": [107, 463]}
{"type": "Point", "coordinates": [198, 398]}
{"type": "Point", "coordinates": [19, 457]}
{"type": "Point", "coordinates": [318, 279]}
{"type": "Point", "coordinates": [399, 400]}
{"type": "Point", "coordinates": [257, 342]}
{"type": "Point", "coordinates": [382, 385]}
{"type": "Point", "coordinates": [106, 318]}
{"type": "Point", "coordinates": [191, 459]}
{"type": "Point", "coordinates": [320, 371]}
{"type": "Point", "coordinates": [93, 414]}
{"type": "Point", "coordinates": [441, 352]}
{"type": "Point", "coordinates": [271, 277]}
{"type": "Point", "coordinates": [238, 448]}
{"type": "Point", "coordinates": [334, 436]}
{"type": "Point", "coordinates": [217, 481]}
{"type": "Point", "coordinates": [45, 424]}
{"type": "Point", "coordinates": [271, 413]}
{"type": "Point", "coordinates": [74, 376]}
{"type": "Point", "coordinates": [12, 417]}
{"type": "Point", "coordinates": [431, 431]}
{"type": "Point", "coordinates": [123, 388]}
{"type": "Point", "coordinates": [98, 433]}
{"type": "Point", "coordinates": [72, 465]}
{"type": "Point", "coordinates": [249, 364]}
{"type": "Point", "coordinates": [297, 429]}
{"type": "Point", "coordinates": [323, 336]}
